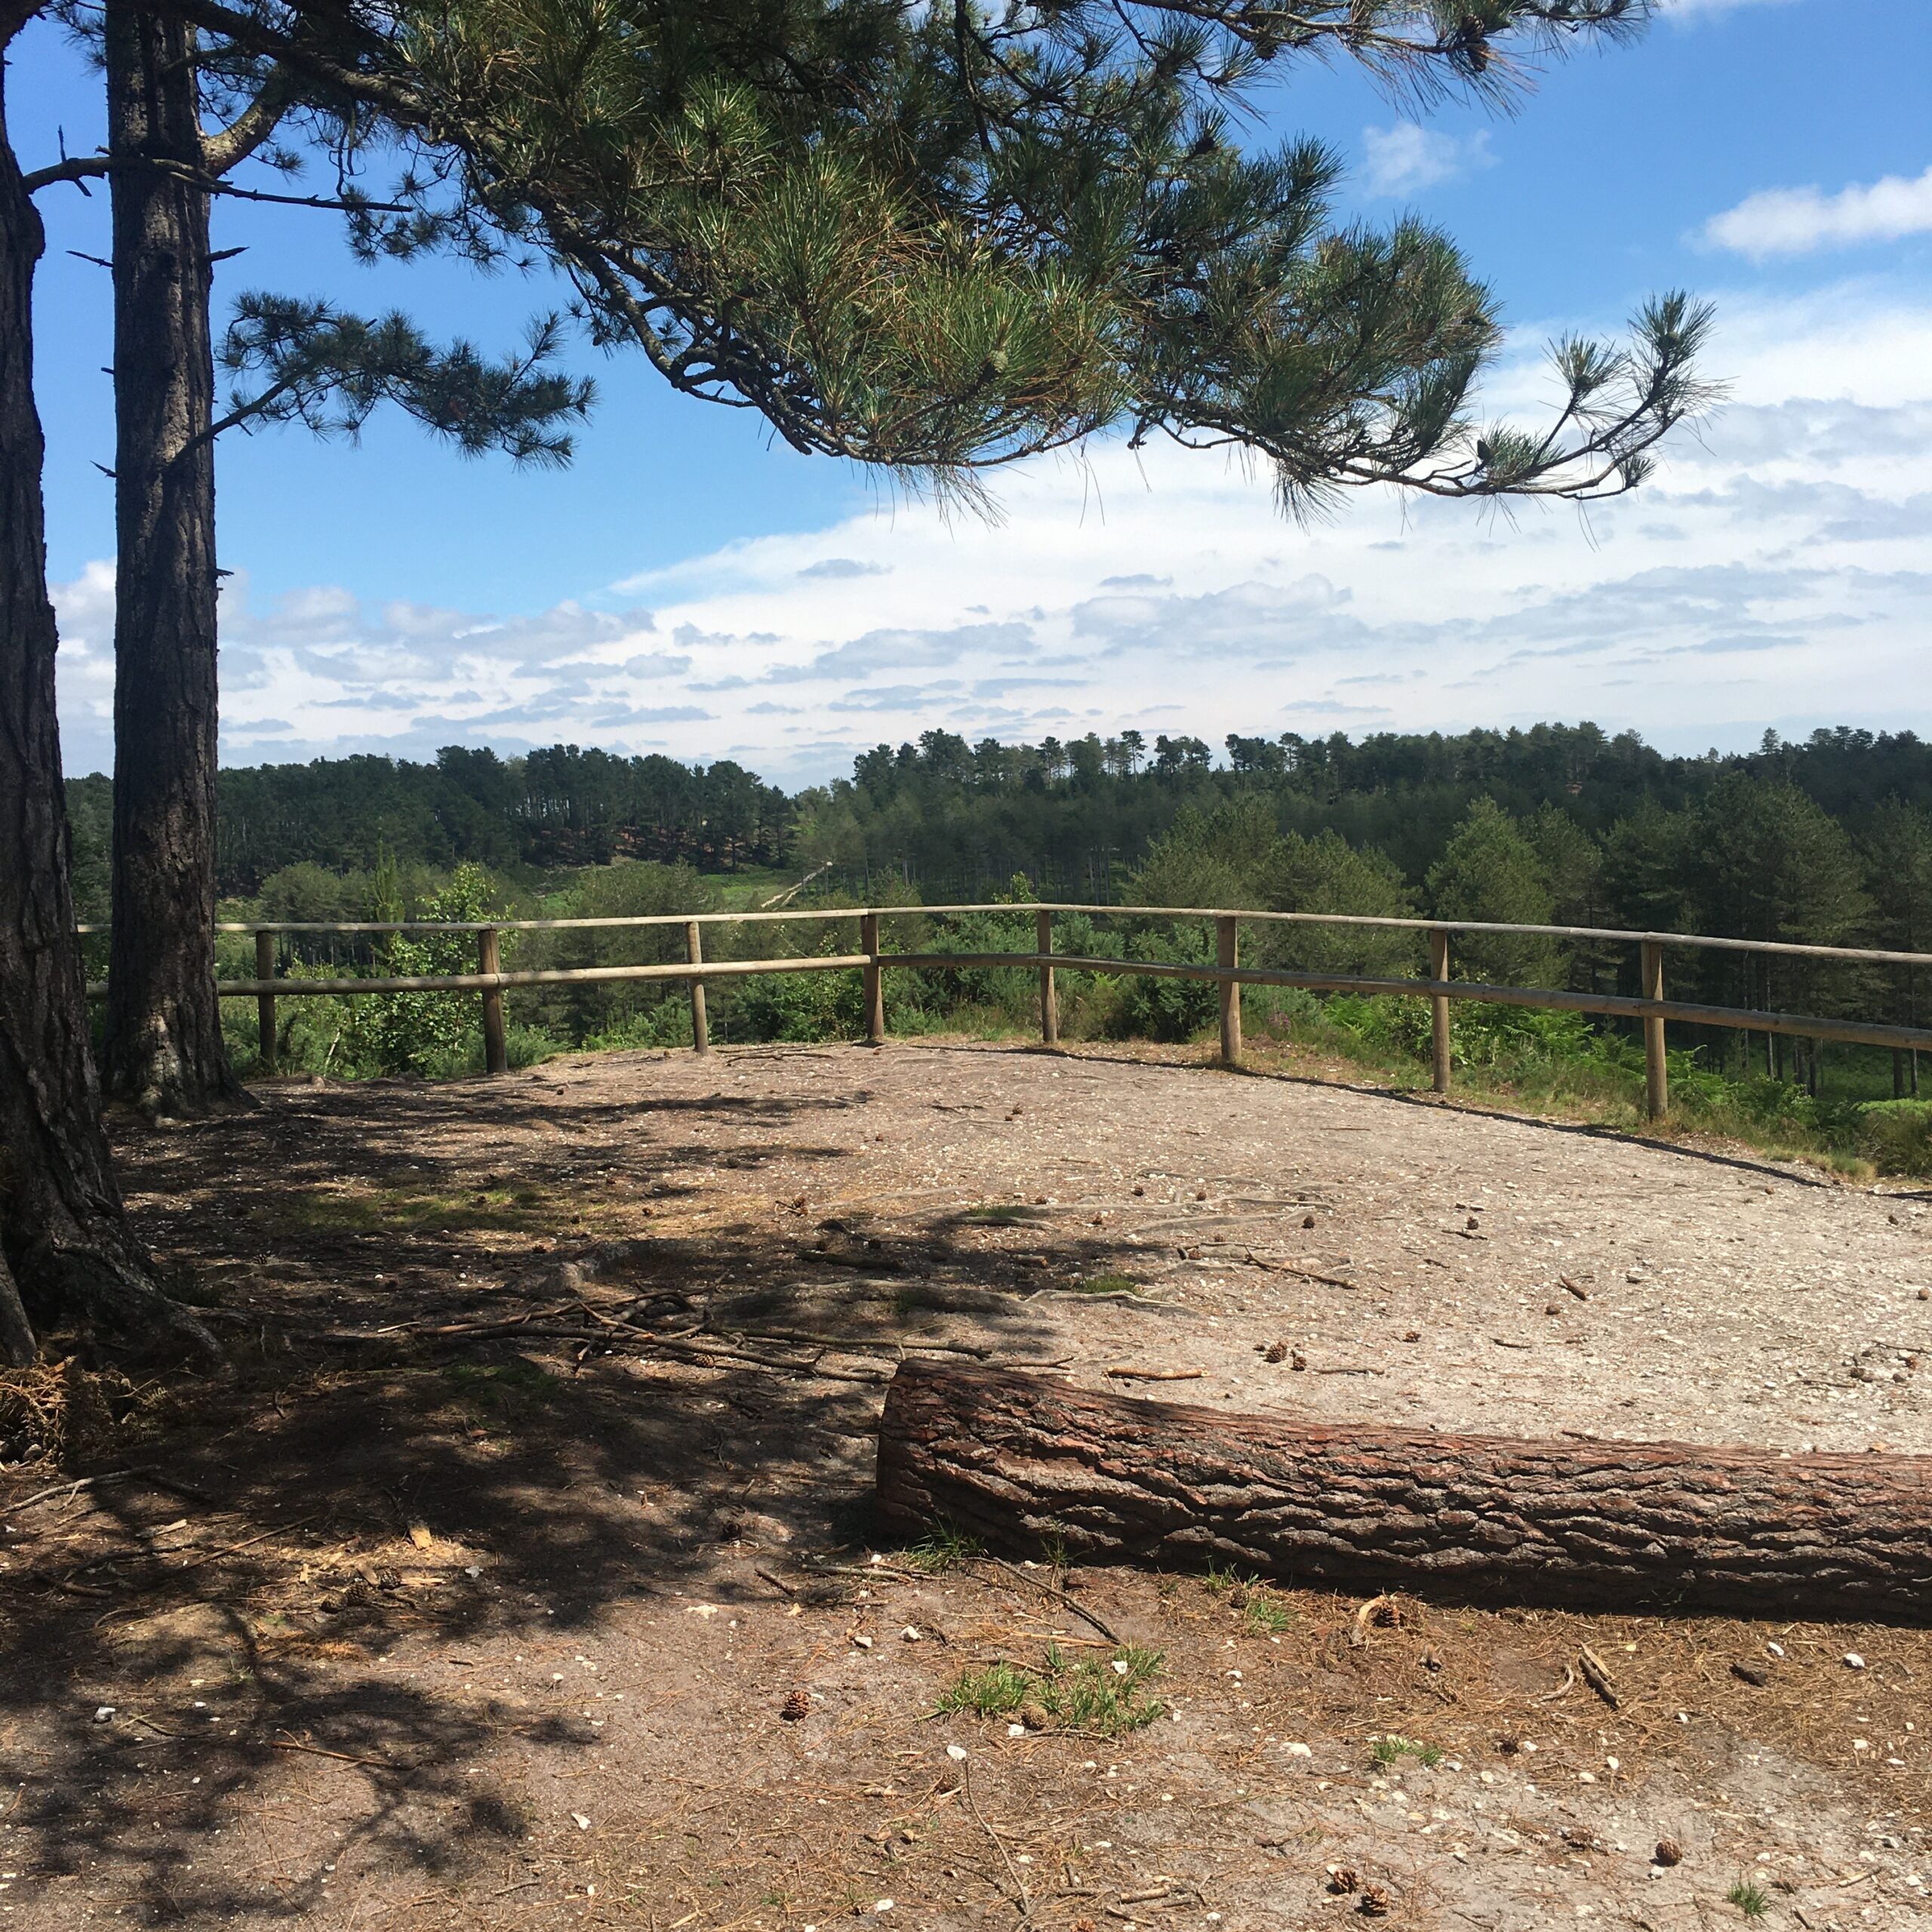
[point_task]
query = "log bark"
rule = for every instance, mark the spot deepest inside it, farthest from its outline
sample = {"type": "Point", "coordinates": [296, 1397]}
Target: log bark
{"type": "Point", "coordinates": [1015, 1460]}
{"type": "Point", "coordinates": [164, 1049]}
{"type": "Point", "coordinates": [66, 1255]}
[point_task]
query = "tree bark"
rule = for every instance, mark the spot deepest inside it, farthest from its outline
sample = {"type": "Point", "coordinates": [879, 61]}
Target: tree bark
{"type": "Point", "coordinates": [1018, 1459]}
{"type": "Point", "coordinates": [65, 1251]}
{"type": "Point", "coordinates": [164, 1051]}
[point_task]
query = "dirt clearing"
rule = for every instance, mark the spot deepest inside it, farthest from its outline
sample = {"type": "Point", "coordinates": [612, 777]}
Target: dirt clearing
{"type": "Point", "coordinates": [572, 1610]}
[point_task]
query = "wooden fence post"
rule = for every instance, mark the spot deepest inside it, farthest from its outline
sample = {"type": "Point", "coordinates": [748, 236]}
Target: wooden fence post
{"type": "Point", "coordinates": [1439, 1006]}
{"type": "Point", "coordinates": [1049, 991]}
{"type": "Point", "coordinates": [875, 980]}
{"type": "Point", "coordinates": [265, 1002]}
{"type": "Point", "coordinates": [1227, 934]}
{"type": "Point", "coordinates": [695, 953]}
{"type": "Point", "coordinates": [1657, 1075]}
{"type": "Point", "coordinates": [496, 1048]}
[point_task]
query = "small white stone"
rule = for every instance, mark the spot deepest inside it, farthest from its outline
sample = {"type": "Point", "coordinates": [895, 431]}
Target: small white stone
{"type": "Point", "coordinates": [1120, 1667]}
{"type": "Point", "coordinates": [957, 1752]}
{"type": "Point", "coordinates": [1301, 1750]}
{"type": "Point", "coordinates": [912, 1635]}
{"type": "Point", "coordinates": [863, 1643]}
{"type": "Point", "coordinates": [1016, 1731]}
{"type": "Point", "coordinates": [579, 1821]}
{"type": "Point", "coordinates": [1852, 1661]}
{"type": "Point", "coordinates": [103, 1714]}
{"type": "Point", "coordinates": [882, 1904]}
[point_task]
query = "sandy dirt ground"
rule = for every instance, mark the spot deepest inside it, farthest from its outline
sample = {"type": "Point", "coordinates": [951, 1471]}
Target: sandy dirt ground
{"type": "Point", "coordinates": [462, 1604]}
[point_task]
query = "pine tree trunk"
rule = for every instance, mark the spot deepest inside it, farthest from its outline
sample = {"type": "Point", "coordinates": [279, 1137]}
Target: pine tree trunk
{"type": "Point", "coordinates": [65, 1251]}
{"type": "Point", "coordinates": [1018, 1459]}
{"type": "Point", "coordinates": [165, 1050]}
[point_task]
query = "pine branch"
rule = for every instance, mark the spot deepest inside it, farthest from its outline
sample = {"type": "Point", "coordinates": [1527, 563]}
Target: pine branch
{"type": "Point", "coordinates": [256, 123]}
{"type": "Point", "coordinates": [79, 168]}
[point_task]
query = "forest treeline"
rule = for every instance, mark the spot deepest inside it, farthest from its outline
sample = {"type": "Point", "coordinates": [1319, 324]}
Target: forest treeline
{"type": "Point", "coordinates": [1822, 840]}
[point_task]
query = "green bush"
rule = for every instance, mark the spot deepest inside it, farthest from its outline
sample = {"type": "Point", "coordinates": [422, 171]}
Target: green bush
{"type": "Point", "coordinates": [425, 1032]}
{"type": "Point", "coordinates": [1897, 1135]}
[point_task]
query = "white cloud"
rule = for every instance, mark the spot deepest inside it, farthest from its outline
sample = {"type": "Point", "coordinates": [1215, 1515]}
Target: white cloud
{"type": "Point", "coordinates": [1775, 572]}
{"type": "Point", "coordinates": [1406, 157]}
{"type": "Point", "coordinates": [1799, 221]}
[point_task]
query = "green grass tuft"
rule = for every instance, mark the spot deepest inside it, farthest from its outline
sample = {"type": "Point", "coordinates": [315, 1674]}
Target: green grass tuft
{"type": "Point", "coordinates": [942, 1548]}
{"type": "Point", "coordinates": [1393, 1748]}
{"type": "Point", "coordinates": [1267, 1616]}
{"type": "Point", "coordinates": [1751, 1900]}
{"type": "Point", "coordinates": [1111, 1284]}
{"type": "Point", "coordinates": [1102, 1696]}
{"type": "Point", "coordinates": [991, 1693]}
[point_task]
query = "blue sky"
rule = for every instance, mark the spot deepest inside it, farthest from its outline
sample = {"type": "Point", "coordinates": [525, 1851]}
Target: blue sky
{"type": "Point", "coordinates": [687, 586]}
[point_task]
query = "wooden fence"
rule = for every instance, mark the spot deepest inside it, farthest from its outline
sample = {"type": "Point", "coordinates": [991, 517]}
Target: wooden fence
{"type": "Point", "coordinates": [1650, 1006]}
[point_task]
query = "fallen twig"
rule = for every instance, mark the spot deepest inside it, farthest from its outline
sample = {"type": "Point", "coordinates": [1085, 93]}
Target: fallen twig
{"type": "Point", "coordinates": [853, 1343]}
{"type": "Point", "coordinates": [1568, 1685]}
{"type": "Point", "coordinates": [1306, 1273]}
{"type": "Point", "coordinates": [1122, 1373]}
{"type": "Point", "coordinates": [1025, 1904]}
{"type": "Point", "coordinates": [247, 1542]}
{"type": "Point", "coordinates": [1079, 1610]}
{"type": "Point", "coordinates": [65, 1489]}
{"type": "Point", "coordinates": [1581, 1293]}
{"type": "Point", "coordinates": [322, 1750]}
{"type": "Point", "coordinates": [1596, 1674]}
{"type": "Point", "coordinates": [275, 1743]}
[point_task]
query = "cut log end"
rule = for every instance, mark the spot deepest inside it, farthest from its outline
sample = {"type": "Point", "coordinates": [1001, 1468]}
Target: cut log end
{"type": "Point", "coordinates": [1019, 1460]}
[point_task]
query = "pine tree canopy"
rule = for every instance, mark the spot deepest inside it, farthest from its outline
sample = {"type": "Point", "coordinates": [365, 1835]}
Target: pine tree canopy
{"type": "Point", "coordinates": [934, 237]}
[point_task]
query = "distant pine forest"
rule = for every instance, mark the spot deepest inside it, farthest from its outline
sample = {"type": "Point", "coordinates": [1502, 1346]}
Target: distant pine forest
{"type": "Point", "coordinates": [1824, 842]}
{"type": "Point", "coordinates": [1775, 842]}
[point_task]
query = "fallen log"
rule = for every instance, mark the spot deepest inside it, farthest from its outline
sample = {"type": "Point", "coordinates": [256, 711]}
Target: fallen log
{"type": "Point", "coordinates": [1019, 1460]}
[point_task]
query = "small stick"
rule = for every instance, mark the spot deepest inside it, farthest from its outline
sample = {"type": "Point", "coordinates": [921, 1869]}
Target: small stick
{"type": "Point", "coordinates": [776, 1583]}
{"type": "Point", "coordinates": [1359, 1636]}
{"type": "Point", "coordinates": [322, 1751]}
{"type": "Point", "coordinates": [1025, 1904]}
{"type": "Point", "coordinates": [1581, 1293]}
{"type": "Point", "coordinates": [1596, 1674]}
{"type": "Point", "coordinates": [66, 1489]}
{"type": "Point", "coordinates": [851, 1342]}
{"type": "Point", "coordinates": [1568, 1685]}
{"type": "Point", "coordinates": [229, 1550]}
{"type": "Point", "coordinates": [1306, 1273]}
{"type": "Point", "coordinates": [1123, 1373]}
{"type": "Point", "coordinates": [1079, 1610]}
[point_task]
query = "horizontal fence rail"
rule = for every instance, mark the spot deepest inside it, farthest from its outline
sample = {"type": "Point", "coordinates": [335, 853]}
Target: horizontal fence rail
{"type": "Point", "coordinates": [1651, 1007]}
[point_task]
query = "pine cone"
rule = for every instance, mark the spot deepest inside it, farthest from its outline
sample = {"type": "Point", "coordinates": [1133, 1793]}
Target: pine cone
{"type": "Point", "coordinates": [1342, 1879]}
{"type": "Point", "coordinates": [1669, 1852]}
{"type": "Point", "coordinates": [797, 1706]}
{"type": "Point", "coordinates": [1374, 1903]}
{"type": "Point", "coordinates": [1275, 1351]}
